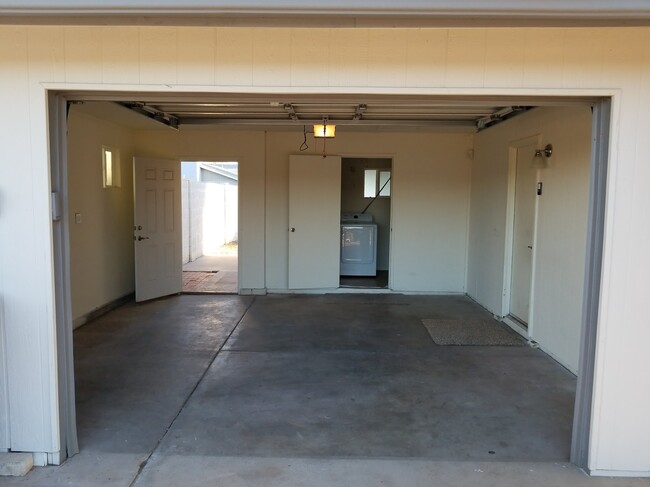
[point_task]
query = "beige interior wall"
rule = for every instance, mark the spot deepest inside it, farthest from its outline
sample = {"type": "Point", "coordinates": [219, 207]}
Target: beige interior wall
{"type": "Point", "coordinates": [430, 193]}
{"type": "Point", "coordinates": [101, 246]}
{"type": "Point", "coordinates": [430, 187]}
{"type": "Point", "coordinates": [248, 149]}
{"type": "Point", "coordinates": [561, 224]}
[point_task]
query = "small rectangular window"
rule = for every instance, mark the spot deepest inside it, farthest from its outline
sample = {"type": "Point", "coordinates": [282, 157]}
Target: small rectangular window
{"type": "Point", "coordinates": [384, 183]}
{"type": "Point", "coordinates": [376, 181]}
{"type": "Point", "coordinates": [111, 167]}
{"type": "Point", "coordinates": [370, 183]}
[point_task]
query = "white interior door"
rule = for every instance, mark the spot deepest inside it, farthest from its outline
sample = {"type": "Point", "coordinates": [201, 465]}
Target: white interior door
{"type": "Point", "coordinates": [523, 234]}
{"type": "Point", "coordinates": [157, 228]}
{"type": "Point", "coordinates": [314, 221]}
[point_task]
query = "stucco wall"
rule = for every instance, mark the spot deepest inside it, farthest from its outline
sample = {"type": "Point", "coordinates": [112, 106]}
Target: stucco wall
{"type": "Point", "coordinates": [209, 217]}
{"type": "Point", "coordinates": [561, 223]}
{"type": "Point", "coordinates": [463, 62]}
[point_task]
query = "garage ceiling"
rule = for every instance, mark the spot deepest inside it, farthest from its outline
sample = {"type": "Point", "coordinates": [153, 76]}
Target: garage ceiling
{"type": "Point", "coordinates": [296, 112]}
{"type": "Point", "coordinates": [354, 111]}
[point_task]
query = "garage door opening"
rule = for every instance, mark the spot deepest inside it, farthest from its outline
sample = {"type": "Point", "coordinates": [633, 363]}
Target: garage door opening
{"type": "Point", "coordinates": [365, 222]}
{"type": "Point", "coordinates": [485, 277]}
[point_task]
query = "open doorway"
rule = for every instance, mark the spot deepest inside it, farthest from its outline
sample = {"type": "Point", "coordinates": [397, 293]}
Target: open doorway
{"type": "Point", "coordinates": [210, 227]}
{"type": "Point", "coordinates": [365, 222]}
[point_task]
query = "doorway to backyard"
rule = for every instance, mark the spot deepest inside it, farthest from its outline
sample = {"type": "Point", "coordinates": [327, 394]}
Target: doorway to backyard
{"type": "Point", "coordinates": [210, 227]}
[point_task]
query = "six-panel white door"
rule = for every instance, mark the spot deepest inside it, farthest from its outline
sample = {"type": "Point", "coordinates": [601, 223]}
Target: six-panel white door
{"type": "Point", "coordinates": [157, 228]}
{"type": "Point", "coordinates": [314, 221]}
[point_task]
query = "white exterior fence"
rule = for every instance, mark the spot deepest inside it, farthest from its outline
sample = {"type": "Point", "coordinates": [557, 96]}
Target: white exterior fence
{"type": "Point", "coordinates": [209, 218]}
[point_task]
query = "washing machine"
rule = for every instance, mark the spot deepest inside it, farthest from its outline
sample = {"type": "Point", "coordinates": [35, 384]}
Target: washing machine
{"type": "Point", "coordinates": [358, 245]}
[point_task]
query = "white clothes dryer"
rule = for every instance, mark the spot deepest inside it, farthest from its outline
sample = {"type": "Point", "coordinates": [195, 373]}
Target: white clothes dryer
{"type": "Point", "coordinates": [358, 245]}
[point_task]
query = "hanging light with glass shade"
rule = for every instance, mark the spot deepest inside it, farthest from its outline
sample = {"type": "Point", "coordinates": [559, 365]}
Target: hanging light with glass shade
{"type": "Point", "coordinates": [324, 130]}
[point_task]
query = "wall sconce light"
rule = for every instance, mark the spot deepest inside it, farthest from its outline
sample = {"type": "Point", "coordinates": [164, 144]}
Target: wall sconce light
{"type": "Point", "coordinates": [324, 130]}
{"type": "Point", "coordinates": [541, 156]}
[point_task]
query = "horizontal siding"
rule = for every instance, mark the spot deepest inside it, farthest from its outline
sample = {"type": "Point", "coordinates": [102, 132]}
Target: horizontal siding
{"type": "Point", "coordinates": [339, 58]}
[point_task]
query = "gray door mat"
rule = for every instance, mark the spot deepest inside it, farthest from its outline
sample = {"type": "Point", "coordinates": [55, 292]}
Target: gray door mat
{"type": "Point", "coordinates": [481, 332]}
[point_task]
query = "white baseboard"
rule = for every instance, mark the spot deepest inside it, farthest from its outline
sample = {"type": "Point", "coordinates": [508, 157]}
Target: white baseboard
{"type": "Point", "coordinates": [620, 473]}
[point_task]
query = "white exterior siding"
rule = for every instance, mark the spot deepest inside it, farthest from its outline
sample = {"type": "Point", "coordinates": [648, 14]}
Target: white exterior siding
{"type": "Point", "coordinates": [609, 61]}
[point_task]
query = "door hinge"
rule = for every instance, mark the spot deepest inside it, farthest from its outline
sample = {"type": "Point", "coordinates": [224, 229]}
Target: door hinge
{"type": "Point", "coordinates": [56, 206]}
{"type": "Point", "coordinates": [539, 189]}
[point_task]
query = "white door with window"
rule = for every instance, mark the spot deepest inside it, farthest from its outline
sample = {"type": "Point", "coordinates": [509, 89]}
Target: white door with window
{"type": "Point", "coordinates": [523, 234]}
{"type": "Point", "coordinates": [314, 221]}
{"type": "Point", "coordinates": [157, 228]}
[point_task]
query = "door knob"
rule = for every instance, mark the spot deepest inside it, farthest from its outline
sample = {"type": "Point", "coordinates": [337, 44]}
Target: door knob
{"type": "Point", "coordinates": [530, 247]}
{"type": "Point", "coordinates": [292, 229]}
{"type": "Point", "coordinates": [142, 238]}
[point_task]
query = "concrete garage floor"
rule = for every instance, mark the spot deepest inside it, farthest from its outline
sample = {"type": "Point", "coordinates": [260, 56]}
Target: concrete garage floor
{"type": "Point", "coordinates": [311, 390]}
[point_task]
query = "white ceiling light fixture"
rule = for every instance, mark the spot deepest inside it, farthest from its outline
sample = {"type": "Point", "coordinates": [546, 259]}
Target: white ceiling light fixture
{"type": "Point", "coordinates": [324, 130]}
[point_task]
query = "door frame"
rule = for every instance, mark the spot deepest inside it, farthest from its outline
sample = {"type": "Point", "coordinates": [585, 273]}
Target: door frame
{"type": "Point", "coordinates": [393, 159]}
{"type": "Point", "coordinates": [58, 108]}
{"type": "Point", "coordinates": [513, 150]}
{"type": "Point", "coordinates": [604, 127]}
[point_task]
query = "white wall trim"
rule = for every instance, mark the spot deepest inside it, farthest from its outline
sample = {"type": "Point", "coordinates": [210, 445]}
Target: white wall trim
{"type": "Point", "coordinates": [619, 473]}
{"type": "Point", "coordinates": [5, 439]}
{"type": "Point", "coordinates": [600, 355]}
{"type": "Point", "coordinates": [536, 96]}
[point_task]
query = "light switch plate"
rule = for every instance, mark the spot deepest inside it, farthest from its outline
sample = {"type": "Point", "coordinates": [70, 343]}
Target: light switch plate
{"type": "Point", "coordinates": [77, 217]}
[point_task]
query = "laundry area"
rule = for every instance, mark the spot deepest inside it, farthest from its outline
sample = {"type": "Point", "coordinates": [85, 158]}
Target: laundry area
{"type": "Point", "coordinates": [338, 389]}
{"type": "Point", "coordinates": [365, 222]}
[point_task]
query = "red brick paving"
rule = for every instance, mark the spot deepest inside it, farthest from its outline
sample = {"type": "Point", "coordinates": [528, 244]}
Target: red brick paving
{"type": "Point", "coordinates": [201, 282]}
